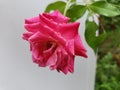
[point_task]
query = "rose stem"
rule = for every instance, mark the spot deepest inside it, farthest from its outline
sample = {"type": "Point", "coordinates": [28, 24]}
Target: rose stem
{"type": "Point", "coordinates": [66, 7]}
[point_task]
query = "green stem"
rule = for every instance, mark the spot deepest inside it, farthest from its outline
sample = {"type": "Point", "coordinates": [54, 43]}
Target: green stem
{"type": "Point", "coordinates": [66, 7]}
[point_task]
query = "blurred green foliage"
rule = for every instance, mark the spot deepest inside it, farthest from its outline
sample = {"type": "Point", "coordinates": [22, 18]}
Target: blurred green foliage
{"type": "Point", "coordinates": [108, 62]}
{"type": "Point", "coordinates": [107, 74]}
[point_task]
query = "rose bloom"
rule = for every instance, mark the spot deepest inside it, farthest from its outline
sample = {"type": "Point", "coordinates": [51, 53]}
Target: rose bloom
{"type": "Point", "coordinates": [54, 41]}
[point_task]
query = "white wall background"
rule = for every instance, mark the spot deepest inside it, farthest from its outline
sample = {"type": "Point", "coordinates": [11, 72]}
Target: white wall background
{"type": "Point", "coordinates": [17, 72]}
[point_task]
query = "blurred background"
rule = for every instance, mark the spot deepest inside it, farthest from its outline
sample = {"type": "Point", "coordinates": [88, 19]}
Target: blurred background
{"type": "Point", "coordinates": [108, 61]}
{"type": "Point", "coordinates": [17, 71]}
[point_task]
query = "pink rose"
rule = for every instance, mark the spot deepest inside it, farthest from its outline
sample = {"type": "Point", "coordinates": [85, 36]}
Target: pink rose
{"type": "Point", "coordinates": [54, 41]}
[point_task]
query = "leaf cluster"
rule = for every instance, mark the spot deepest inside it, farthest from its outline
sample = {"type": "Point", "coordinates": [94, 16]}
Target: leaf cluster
{"type": "Point", "coordinates": [107, 74]}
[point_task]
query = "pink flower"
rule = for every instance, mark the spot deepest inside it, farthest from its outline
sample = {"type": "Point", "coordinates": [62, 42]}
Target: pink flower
{"type": "Point", "coordinates": [54, 41]}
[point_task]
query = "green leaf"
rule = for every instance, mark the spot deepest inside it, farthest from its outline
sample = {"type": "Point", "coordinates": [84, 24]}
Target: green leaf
{"type": "Point", "coordinates": [59, 5]}
{"type": "Point", "coordinates": [90, 35]}
{"type": "Point", "coordinates": [104, 8]}
{"type": "Point", "coordinates": [72, 0]}
{"type": "Point", "coordinates": [76, 11]}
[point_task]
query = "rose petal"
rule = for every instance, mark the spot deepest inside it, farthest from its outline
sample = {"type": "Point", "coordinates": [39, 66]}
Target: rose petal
{"type": "Point", "coordinates": [57, 17]}
{"type": "Point", "coordinates": [69, 31]}
{"type": "Point", "coordinates": [32, 20]}
{"type": "Point", "coordinates": [70, 47]}
{"type": "Point", "coordinates": [56, 36]}
{"type": "Point", "coordinates": [47, 55]}
{"type": "Point", "coordinates": [71, 64]}
{"type": "Point", "coordinates": [25, 36]}
{"type": "Point", "coordinates": [58, 59]}
{"type": "Point", "coordinates": [39, 37]}
{"type": "Point", "coordinates": [49, 22]}
{"type": "Point", "coordinates": [79, 48]}
{"type": "Point", "coordinates": [38, 42]}
{"type": "Point", "coordinates": [65, 62]}
{"type": "Point", "coordinates": [32, 27]}
{"type": "Point", "coordinates": [52, 61]}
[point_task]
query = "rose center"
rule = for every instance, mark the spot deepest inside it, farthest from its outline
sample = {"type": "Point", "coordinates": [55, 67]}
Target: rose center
{"type": "Point", "coordinates": [49, 44]}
